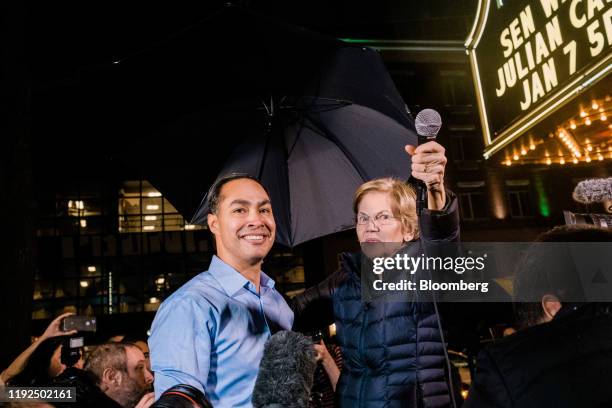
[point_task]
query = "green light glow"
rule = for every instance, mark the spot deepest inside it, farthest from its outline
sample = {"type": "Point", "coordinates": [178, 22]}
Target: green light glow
{"type": "Point", "coordinates": [359, 41]}
{"type": "Point", "coordinates": [542, 199]}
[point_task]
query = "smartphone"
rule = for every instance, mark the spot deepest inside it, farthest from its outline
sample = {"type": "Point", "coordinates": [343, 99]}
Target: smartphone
{"type": "Point", "coordinates": [79, 323]}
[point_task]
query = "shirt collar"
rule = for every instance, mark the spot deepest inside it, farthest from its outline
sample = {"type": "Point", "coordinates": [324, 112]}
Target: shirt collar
{"type": "Point", "coordinates": [231, 280]}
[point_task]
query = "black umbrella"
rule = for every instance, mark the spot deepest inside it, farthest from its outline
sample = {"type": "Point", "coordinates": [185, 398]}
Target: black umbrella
{"type": "Point", "coordinates": [311, 116]}
{"type": "Point", "coordinates": [322, 146]}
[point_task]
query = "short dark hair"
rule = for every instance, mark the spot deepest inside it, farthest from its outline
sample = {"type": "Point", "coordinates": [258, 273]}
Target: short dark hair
{"type": "Point", "coordinates": [535, 276]}
{"type": "Point", "coordinates": [213, 197]}
{"type": "Point", "coordinates": [133, 338]}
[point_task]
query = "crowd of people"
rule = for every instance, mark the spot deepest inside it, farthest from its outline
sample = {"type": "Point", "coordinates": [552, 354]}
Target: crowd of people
{"type": "Point", "coordinates": [211, 341]}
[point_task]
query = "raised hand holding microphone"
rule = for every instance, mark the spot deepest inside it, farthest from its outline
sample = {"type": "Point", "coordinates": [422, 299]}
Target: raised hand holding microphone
{"type": "Point", "coordinates": [428, 159]}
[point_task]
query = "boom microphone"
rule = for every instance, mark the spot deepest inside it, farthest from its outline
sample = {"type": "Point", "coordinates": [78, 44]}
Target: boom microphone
{"type": "Point", "coordinates": [427, 123]}
{"type": "Point", "coordinates": [593, 191]}
{"type": "Point", "coordinates": [286, 372]}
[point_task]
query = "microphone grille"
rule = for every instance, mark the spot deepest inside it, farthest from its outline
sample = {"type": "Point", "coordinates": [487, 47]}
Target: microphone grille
{"type": "Point", "coordinates": [593, 190]}
{"type": "Point", "coordinates": [428, 123]}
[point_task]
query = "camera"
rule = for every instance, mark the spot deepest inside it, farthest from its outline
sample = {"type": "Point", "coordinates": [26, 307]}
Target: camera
{"type": "Point", "coordinates": [72, 346]}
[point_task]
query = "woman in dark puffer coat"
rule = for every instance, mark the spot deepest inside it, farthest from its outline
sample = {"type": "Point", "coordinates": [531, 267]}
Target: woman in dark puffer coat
{"type": "Point", "coordinates": [393, 353]}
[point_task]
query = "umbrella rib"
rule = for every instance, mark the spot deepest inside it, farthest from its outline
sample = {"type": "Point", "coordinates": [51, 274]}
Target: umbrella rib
{"type": "Point", "coordinates": [329, 135]}
{"type": "Point", "coordinates": [339, 103]}
{"type": "Point", "coordinates": [265, 153]}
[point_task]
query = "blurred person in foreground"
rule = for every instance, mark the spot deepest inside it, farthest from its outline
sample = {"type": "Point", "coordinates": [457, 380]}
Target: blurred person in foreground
{"type": "Point", "coordinates": [182, 396]}
{"type": "Point", "coordinates": [139, 341]}
{"type": "Point", "coordinates": [41, 362]}
{"type": "Point", "coordinates": [392, 351]}
{"type": "Point", "coordinates": [211, 332]}
{"type": "Point", "coordinates": [562, 356]}
{"type": "Point", "coordinates": [115, 376]}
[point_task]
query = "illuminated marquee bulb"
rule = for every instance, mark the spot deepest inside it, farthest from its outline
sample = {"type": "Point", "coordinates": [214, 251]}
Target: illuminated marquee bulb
{"type": "Point", "coordinates": [523, 151]}
{"type": "Point", "coordinates": [573, 125]}
{"type": "Point", "coordinates": [595, 105]}
{"type": "Point", "coordinates": [590, 148]}
{"type": "Point", "coordinates": [548, 161]}
{"type": "Point", "coordinates": [515, 157]}
{"type": "Point", "coordinates": [588, 159]}
{"type": "Point", "coordinates": [531, 146]}
{"type": "Point", "coordinates": [600, 157]}
{"type": "Point", "coordinates": [561, 161]}
{"type": "Point", "coordinates": [603, 117]}
{"type": "Point", "coordinates": [587, 122]}
{"type": "Point", "coordinates": [583, 114]}
{"type": "Point", "coordinates": [575, 160]}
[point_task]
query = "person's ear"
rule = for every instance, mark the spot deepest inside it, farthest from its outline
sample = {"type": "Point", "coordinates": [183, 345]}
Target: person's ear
{"type": "Point", "coordinates": [551, 305]}
{"type": "Point", "coordinates": [213, 223]}
{"type": "Point", "coordinates": [110, 377]}
{"type": "Point", "coordinates": [408, 234]}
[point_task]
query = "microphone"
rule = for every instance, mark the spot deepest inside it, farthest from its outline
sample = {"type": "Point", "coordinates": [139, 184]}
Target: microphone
{"type": "Point", "coordinates": [427, 123]}
{"type": "Point", "coordinates": [286, 372]}
{"type": "Point", "coordinates": [592, 191]}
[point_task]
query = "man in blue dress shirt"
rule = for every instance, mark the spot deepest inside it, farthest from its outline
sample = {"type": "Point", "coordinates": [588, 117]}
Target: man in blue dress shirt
{"type": "Point", "coordinates": [211, 332]}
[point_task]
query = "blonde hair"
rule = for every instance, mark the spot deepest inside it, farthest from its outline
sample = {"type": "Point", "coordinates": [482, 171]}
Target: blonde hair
{"type": "Point", "coordinates": [403, 200]}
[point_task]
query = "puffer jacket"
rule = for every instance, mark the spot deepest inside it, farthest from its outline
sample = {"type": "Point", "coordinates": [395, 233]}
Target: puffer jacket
{"type": "Point", "coordinates": [393, 355]}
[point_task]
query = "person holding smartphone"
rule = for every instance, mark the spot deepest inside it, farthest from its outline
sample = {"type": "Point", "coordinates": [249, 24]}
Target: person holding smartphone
{"type": "Point", "coordinates": [41, 361]}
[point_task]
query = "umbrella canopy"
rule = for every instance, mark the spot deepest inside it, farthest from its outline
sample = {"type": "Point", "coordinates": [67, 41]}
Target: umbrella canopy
{"type": "Point", "coordinates": [320, 148]}
{"type": "Point", "coordinates": [313, 166]}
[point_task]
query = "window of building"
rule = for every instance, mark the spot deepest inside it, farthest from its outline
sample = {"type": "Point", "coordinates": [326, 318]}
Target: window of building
{"type": "Point", "coordinates": [142, 208]}
{"type": "Point", "coordinates": [519, 198]}
{"type": "Point", "coordinates": [465, 147]}
{"type": "Point", "coordinates": [520, 203]}
{"type": "Point", "coordinates": [456, 87]}
{"type": "Point", "coordinates": [96, 255]}
{"type": "Point", "coordinates": [472, 206]}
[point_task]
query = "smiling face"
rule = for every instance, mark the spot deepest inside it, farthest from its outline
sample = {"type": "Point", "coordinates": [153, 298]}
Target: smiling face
{"type": "Point", "coordinates": [243, 224]}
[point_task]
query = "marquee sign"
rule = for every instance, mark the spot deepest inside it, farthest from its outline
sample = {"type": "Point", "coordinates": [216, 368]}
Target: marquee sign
{"type": "Point", "coordinates": [530, 57]}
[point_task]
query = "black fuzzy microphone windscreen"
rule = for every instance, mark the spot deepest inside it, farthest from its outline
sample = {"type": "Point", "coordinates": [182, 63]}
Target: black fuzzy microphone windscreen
{"type": "Point", "coordinates": [286, 372]}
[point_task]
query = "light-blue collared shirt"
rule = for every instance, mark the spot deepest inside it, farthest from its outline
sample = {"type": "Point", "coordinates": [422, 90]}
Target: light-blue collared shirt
{"type": "Point", "coordinates": [211, 333]}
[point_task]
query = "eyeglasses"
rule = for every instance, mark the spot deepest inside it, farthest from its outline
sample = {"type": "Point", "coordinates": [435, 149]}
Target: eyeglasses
{"type": "Point", "coordinates": [379, 219]}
